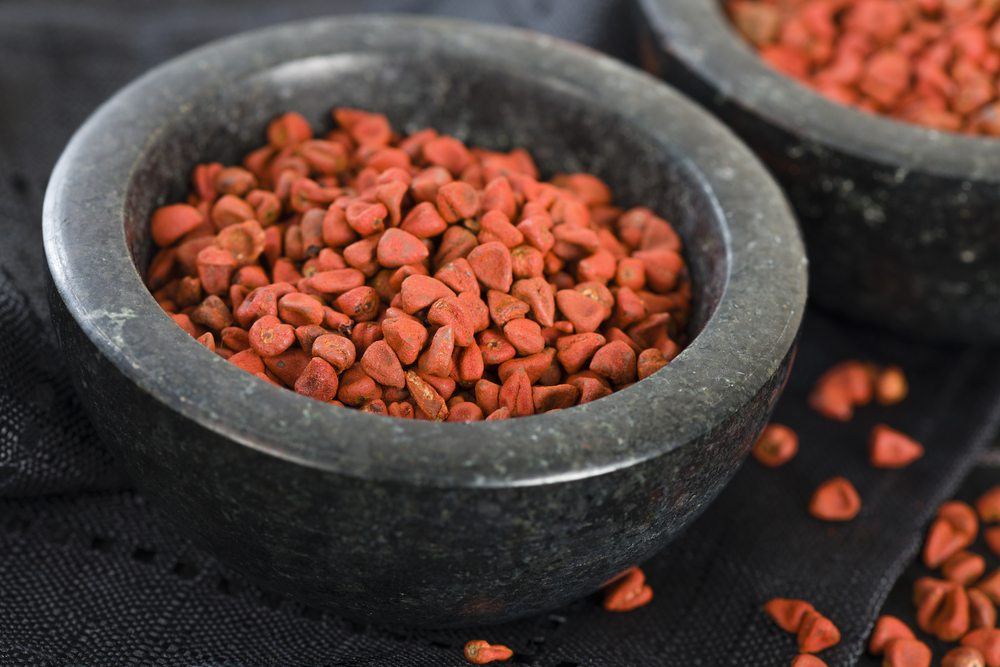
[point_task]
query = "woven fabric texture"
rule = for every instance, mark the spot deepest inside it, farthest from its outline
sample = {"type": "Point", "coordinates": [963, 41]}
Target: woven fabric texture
{"type": "Point", "coordinates": [91, 575]}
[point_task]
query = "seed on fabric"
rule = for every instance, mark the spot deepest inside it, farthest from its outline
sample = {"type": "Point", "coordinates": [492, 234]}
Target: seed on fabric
{"type": "Point", "coordinates": [963, 656]}
{"type": "Point", "coordinates": [835, 500]}
{"type": "Point", "coordinates": [776, 446]}
{"type": "Point", "coordinates": [889, 448]}
{"type": "Point", "coordinates": [628, 591]}
{"type": "Point", "coordinates": [481, 652]}
{"type": "Point", "coordinates": [988, 505]}
{"type": "Point", "coordinates": [787, 613]}
{"type": "Point", "coordinates": [987, 642]}
{"type": "Point", "coordinates": [963, 568]}
{"type": "Point", "coordinates": [907, 653]}
{"type": "Point", "coordinates": [887, 629]}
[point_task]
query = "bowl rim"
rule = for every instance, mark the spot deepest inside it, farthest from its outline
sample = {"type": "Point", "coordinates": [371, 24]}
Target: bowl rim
{"type": "Point", "coordinates": [740, 349]}
{"type": "Point", "coordinates": [702, 37]}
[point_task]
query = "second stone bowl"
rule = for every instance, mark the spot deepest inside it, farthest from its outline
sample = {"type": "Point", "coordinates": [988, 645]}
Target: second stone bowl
{"type": "Point", "coordinates": [902, 223]}
{"type": "Point", "coordinates": [401, 521]}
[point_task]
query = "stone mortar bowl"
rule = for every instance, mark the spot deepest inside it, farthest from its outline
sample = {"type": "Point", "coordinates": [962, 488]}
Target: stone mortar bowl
{"type": "Point", "coordinates": [396, 521]}
{"type": "Point", "coordinates": [902, 223]}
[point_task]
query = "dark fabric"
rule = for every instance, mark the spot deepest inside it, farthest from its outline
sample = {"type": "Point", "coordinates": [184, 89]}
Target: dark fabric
{"type": "Point", "coordinates": [91, 575]}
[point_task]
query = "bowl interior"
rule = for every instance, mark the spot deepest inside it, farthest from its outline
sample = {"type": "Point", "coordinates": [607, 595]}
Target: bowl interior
{"type": "Point", "coordinates": [564, 128]}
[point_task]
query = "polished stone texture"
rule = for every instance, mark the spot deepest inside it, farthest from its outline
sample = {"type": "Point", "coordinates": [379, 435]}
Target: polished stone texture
{"type": "Point", "coordinates": [902, 223]}
{"type": "Point", "coordinates": [414, 522]}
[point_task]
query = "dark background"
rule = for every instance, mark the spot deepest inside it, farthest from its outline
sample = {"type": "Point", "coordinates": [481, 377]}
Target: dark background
{"type": "Point", "coordinates": [90, 575]}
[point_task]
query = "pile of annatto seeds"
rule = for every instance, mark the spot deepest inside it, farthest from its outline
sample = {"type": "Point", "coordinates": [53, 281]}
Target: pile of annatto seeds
{"type": "Point", "coordinates": [416, 277]}
{"type": "Point", "coordinates": [930, 62]}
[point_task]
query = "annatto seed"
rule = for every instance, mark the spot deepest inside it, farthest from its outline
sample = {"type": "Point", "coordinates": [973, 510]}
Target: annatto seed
{"type": "Point", "coordinates": [318, 380]}
{"type": "Point", "coordinates": [982, 610]}
{"type": "Point", "coordinates": [515, 394]}
{"type": "Point", "coordinates": [816, 633]}
{"type": "Point", "coordinates": [230, 210]}
{"type": "Point", "coordinates": [382, 365]}
{"type": "Point", "coordinates": [457, 200]}
{"type": "Point", "coordinates": [481, 652]}
{"type": "Point", "coordinates": [616, 362]}
{"type": "Point", "coordinates": [988, 505]}
{"type": "Point", "coordinates": [336, 350]}
{"type": "Point", "coordinates": [776, 446]}
{"type": "Point", "coordinates": [465, 411]}
{"type": "Point", "coordinates": [413, 277]}
{"type": "Point", "coordinates": [889, 448]}
{"type": "Point", "coordinates": [987, 642]}
{"type": "Point", "coordinates": [963, 656]}
{"type": "Point", "coordinates": [215, 268]}
{"type": "Point", "coordinates": [287, 366]}
{"type": "Point", "coordinates": [289, 129]}
{"type": "Point", "coordinates": [170, 223]}
{"type": "Point", "coordinates": [628, 591]}
{"type": "Point", "coordinates": [212, 313]}
{"type": "Point", "coordinates": [951, 619]}
{"type": "Point", "coordinates": [992, 538]}
{"type": "Point", "coordinates": [398, 248]}
{"type": "Point", "coordinates": [907, 653]}
{"type": "Point", "coordinates": [269, 336]}
{"type": "Point", "coordinates": [841, 389]}
{"type": "Point", "coordinates": [300, 309]}
{"type": "Point", "coordinates": [963, 567]}
{"type": "Point", "coordinates": [437, 360]}
{"type": "Point", "coordinates": [491, 263]}
{"type": "Point", "coordinates": [788, 613]}
{"type": "Point", "coordinates": [525, 335]}
{"type": "Point", "coordinates": [891, 386]}
{"type": "Point", "coordinates": [887, 629]}
{"type": "Point", "coordinates": [955, 528]}
{"type": "Point", "coordinates": [835, 500]}
{"type": "Point", "coordinates": [248, 360]}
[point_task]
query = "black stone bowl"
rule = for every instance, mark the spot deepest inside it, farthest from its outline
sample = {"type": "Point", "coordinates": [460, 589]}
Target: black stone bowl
{"type": "Point", "coordinates": [902, 223]}
{"type": "Point", "coordinates": [401, 521]}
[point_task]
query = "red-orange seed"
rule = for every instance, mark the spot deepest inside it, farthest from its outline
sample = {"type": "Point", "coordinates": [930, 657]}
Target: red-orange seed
{"type": "Point", "coordinates": [170, 223]}
{"type": "Point", "coordinates": [988, 505]}
{"type": "Point", "coordinates": [318, 380]}
{"type": "Point", "coordinates": [907, 653]}
{"type": "Point", "coordinates": [982, 610]}
{"type": "Point", "coordinates": [963, 567]}
{"type": "Point", "coordinates": [481, 652]}
{"type": "Point", "coordinates": [817, 633]}
{"type": "Point", "coordinates": [987, 642]}
{"type": "Point", "coordinates": [269, 336]}
{"type": "Point", "coordinates": [887, 629]}
{"type": "Point", "coordinates": [889, 448]}
{"type": "Point", "coordinates": [382, 365]}
{"type": "Point", "coordinates": [963, 656]}
{"type": "Point", "coordinates": [835, 500]}
{"type": "Point", "coordinates": [788, 613]}
{"type": "Point", "coordinates": [776, 446]}
{"type": "Point", "coordinates": [627, 592]}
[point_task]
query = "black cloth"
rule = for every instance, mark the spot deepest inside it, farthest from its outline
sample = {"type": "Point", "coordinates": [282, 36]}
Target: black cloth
{"type": "Point", "coordinates": [91, 575]}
